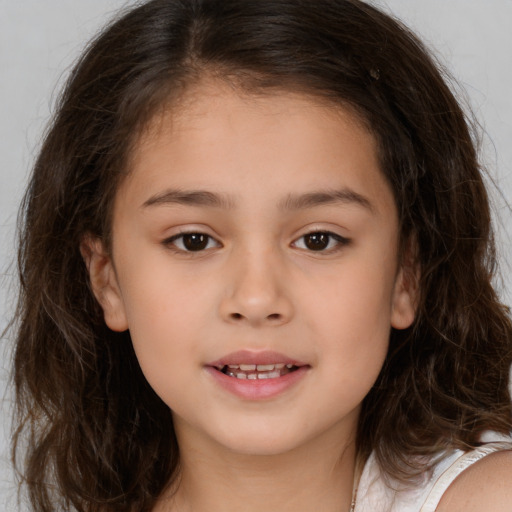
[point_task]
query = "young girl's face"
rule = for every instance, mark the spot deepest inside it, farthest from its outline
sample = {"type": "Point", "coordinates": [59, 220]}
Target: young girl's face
{"type": "Point", "coordinates": [255, 264]}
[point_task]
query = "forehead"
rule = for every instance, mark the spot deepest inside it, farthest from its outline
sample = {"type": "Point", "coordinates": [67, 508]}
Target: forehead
{"type": "Point", "coordinates": [211, 100]}
{"type": "Point", "coordinates": [216, 136]}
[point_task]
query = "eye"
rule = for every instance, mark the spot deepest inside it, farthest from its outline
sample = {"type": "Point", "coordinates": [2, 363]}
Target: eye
{"type": "Point", "coordinates": [320, 241]}
{"type": "Point", "coordinates": [192, 242]}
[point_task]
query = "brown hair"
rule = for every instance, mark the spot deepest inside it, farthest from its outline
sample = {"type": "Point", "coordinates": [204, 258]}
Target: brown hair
{"type": "Point", "coordinates": [98, 436]}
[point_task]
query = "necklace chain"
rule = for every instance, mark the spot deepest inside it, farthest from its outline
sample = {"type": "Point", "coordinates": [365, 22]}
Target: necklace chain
{"type": "Point", "coordinates": [357, 478]}
{"type": "Point", "coordinates": [354, 499]}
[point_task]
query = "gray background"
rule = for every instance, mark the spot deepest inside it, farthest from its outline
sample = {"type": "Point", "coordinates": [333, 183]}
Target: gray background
{"type": "Point", "coordinates": [39, 40]}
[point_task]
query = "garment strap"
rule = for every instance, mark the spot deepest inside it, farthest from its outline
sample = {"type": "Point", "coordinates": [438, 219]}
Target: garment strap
{"type": "Point", "coordinates": [460, 464]}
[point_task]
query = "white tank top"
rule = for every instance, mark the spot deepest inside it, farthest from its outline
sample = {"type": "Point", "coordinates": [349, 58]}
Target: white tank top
{"type": "Point", "coordinates": [374, 495]}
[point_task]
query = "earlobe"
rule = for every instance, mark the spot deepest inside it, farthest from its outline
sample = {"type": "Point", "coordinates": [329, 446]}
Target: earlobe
{"type": "Point", "coordinates": [405, 295]}
{"type": "Point", "coordinates": [104, 282]}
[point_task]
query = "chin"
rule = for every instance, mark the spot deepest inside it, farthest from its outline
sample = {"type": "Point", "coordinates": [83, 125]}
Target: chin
{"type": "Point", "coordinates": [261, 440]}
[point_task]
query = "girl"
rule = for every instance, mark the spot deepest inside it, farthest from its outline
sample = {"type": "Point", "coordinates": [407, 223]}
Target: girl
{"type": "Point", "coordinates": [255, 267]}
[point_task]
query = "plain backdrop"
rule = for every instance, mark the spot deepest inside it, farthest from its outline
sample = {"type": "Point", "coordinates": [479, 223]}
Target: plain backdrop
{"type": "Point", "coordinates": [40, 39]}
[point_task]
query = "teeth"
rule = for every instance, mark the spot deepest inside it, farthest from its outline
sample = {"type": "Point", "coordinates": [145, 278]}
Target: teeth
{"type": "Point", "coordinates": [275, 374]}
{"type": "Point", "coordinates": [264, 371]}
{"type": "Point", "coordinates": [259, 367]}
{"type": "Point", "coordinates": [265, 367]}
{"type": "Point", "coordinates": [269, 375]}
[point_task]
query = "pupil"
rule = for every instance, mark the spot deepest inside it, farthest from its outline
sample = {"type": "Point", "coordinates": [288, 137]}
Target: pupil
{"type": "Point", "coordinates": [195, 242]}
{"type": "Point", "coordinates": [317, 241]}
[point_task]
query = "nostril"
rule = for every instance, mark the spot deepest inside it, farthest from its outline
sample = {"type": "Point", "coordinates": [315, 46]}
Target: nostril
{"type": "Point", "coordinates": [239, 316]}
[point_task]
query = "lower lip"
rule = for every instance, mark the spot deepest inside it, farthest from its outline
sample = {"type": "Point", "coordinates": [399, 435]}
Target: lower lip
{"type": "Point", "coordinates": [258, 389]}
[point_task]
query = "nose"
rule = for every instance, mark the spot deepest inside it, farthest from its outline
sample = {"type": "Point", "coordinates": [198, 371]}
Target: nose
{"type": "Point", "coordinates": [257, 291]}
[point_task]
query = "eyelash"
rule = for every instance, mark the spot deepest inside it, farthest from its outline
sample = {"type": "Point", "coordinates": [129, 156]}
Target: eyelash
{"type": "Point", "coordinates": [340, 242]}
{"type": "Point", "coordinates": [173, 242]}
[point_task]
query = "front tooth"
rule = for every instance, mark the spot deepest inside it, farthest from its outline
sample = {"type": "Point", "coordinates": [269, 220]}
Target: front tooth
{"type": "Point", "coordinates": [270, 375]}
{"type": "Point", "coordinates": [265, 367]}
{"type": "Point", "coordinates": [241, 376]}
{"type": "Point", "coordinates": [252, 376]}
{"type": "Point", "coordinates": [247, 367]}
{"type": "Point", "coordinates": [279, 366]}
{"type": "Point", "coordinates": [233, 366]}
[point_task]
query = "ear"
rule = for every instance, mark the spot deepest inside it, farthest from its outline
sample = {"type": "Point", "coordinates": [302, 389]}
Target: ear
{"type": "Point", "coordinates": [405, 294]}
{"type": "Point", "coordinates": [104, 282]}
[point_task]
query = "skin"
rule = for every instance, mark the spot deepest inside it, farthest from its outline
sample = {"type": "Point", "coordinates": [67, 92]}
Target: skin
{"type": "Point", "coordinates": [256, 286]}
{"type": "Point", "coordinates": [486, 485]}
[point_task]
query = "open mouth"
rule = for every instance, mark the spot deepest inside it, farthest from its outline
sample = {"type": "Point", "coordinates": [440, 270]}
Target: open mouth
{"type": "Point", "coordinates": [257, 371]}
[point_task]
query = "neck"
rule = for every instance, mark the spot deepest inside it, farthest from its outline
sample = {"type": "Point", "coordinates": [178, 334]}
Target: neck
{"type": "Point", "coordinates": [317, 476]}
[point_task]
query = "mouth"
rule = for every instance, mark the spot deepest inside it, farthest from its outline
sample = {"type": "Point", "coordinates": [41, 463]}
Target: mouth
{"type": "Point", "coordinates": [257, 375]}
{"type": "Point", "coordinates": [256, 371]}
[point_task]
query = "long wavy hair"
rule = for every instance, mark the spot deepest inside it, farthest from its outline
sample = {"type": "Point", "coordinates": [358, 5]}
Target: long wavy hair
{"type": "Point", "coordinates": [92, 433]}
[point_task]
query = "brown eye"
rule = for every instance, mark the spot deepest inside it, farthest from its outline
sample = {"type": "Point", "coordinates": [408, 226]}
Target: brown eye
{"type": "Point", "coordinates": [192, 242]}
{"type": "Point", "coordinates": [321, 241]}
{"type": "Point", "coordinates": [317, 241]}
{"type": "Point", "coordinates": [195, 241]}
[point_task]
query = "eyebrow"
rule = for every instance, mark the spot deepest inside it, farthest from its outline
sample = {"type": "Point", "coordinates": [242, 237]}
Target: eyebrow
{"type": "Point", "coordinates": [190, 198]}
{"type": "Point", "coordinates": [326, 197]}
{"type": "Point", "coordinates": [291, 203]}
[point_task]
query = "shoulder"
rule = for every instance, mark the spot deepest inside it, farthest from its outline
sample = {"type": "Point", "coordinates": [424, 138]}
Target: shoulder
{"type": "Point", "coordinates": [485, 485]}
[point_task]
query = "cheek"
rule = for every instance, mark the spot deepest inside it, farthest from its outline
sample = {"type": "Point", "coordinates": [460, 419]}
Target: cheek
{"type": "Point", "coordinates": [158, 295]}
{"type": "Point", "coordinates": [164, 322]}
{"type": "Point", "coordinates": [353, 298]}
{"type": "Point", "coordinates": [352, 313]}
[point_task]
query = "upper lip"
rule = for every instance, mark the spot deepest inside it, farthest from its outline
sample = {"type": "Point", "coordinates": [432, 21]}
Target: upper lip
{"type": "Point", "coordinates": [254, 357]}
